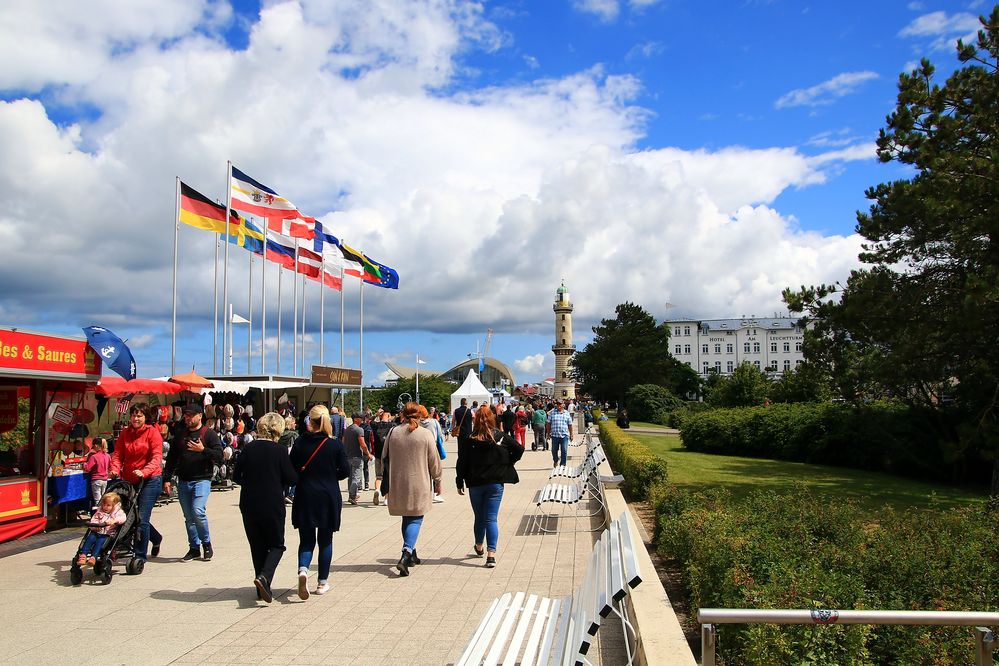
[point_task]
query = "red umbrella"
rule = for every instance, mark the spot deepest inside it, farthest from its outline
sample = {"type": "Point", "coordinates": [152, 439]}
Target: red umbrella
{"type": "Point", "coordinates": [111, 387]}
{"type": "Point", "coordinates": [192, 381]}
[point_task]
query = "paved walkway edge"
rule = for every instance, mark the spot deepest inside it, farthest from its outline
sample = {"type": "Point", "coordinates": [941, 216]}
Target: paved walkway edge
{"type": "Point", "coordinates": [661, 639]}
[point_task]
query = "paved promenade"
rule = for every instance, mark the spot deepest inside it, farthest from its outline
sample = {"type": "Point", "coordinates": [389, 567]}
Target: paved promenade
{"type": "Point", "coordinates": [207, 612]}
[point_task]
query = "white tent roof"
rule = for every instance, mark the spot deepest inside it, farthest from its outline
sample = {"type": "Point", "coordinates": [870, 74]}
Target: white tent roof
{"type": "Point", "coordinates": [472, 389]}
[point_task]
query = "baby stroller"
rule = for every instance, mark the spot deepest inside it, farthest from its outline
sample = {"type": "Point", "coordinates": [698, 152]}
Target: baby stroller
{"type": "Point", "coordinates": [120, 544]}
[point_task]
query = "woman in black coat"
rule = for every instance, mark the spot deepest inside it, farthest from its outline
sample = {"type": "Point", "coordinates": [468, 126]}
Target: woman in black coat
{"type": "Point", "coordinates": [263, 469]}
{"type": "Point", "coordinates": [321, 462]}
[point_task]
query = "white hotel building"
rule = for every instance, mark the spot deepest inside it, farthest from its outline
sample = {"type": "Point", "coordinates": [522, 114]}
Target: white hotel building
{"type": "Point", "coordinates": [721, 345]}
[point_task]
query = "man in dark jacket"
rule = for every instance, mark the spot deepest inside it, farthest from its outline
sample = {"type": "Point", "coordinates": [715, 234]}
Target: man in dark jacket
{"type": "Point", "coordinates": [193, 458]}
{"type": "Point", "coordinates": [463, 419]}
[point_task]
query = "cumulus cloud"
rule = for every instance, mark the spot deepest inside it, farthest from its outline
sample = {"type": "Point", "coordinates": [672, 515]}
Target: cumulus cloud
{"type": "Point", "coordinates": [344, 109]}
{"type": "Point", "coordinates": [530, 364]}
{"type": "Point", "coordinates": [826, 92]}
{"type": "Point", "coordinates": [606, 10]}
{"type": "Point", "coordinates": [944, 29]}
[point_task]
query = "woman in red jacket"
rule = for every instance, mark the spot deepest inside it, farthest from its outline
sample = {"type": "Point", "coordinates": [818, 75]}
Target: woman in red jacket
{"type": "Point", "coordinates": [138, 457]}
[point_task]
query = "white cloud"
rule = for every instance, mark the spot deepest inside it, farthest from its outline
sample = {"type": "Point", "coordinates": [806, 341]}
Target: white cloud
{"type": "Point", "coordinates": [605, 10]}
{"type": "Point", "coordinates": [645, 50]}
{"type": "Point", "coordinates": [454, 190]}
{"type": "Point", "coordinates": [530, 364]}
{"type": "Point", "coordinates": [944, 29]}
{"type": "Point", "coordinates": [827, 91]}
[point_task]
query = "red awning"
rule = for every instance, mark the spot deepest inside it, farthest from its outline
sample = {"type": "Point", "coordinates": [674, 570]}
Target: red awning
{"type": "Point", "coordinates": [111, 387]}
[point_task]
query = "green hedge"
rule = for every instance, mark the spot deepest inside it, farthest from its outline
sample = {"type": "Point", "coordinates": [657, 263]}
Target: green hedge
{"type": "Point", "coordinates": [640, 467]}
{"type": "Point", "coordinates": [883, 437]}
{"type": "Point", "coordinates": [803, 550]}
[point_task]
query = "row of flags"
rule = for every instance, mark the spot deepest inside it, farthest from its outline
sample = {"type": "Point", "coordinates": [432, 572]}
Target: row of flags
{"type": "Point", "coordinates": [289, 234]}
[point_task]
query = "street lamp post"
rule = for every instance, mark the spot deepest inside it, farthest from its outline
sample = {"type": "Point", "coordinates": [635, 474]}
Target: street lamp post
{"type": "Point", "coordinates": [418, 362]}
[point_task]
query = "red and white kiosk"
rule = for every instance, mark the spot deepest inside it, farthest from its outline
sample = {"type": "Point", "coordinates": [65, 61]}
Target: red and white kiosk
{"type": "Point", "coordinates": [45, 381]}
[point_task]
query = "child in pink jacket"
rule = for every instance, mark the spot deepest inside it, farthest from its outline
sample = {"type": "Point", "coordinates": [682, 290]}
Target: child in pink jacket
{"type": "Point", "coordinates": [105, 520]}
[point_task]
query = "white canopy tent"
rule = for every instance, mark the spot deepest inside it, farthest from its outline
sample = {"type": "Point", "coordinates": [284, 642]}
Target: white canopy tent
{"type": "Point", "coordinates": [471, 389]}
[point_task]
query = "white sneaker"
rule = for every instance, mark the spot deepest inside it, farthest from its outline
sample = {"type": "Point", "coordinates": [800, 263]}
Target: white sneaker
{"type": "Point", "coordinates": [377, 499]}
{"type": "Point", "coordinates": [322, 589]}
{"type": "Point", "coordinates": [438, 499]}
{"type": "Point", "coordinates": [303, 585]}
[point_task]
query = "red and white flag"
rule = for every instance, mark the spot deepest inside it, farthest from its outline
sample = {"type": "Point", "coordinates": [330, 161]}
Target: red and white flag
{"type": "Point", "coordinates": [294, 227]}
{"type": "Point", "coordinates": [310, 264]}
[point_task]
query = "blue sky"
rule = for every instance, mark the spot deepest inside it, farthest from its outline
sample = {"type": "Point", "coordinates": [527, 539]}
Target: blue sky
{"type": "Point", "coordinates": [701, 154]}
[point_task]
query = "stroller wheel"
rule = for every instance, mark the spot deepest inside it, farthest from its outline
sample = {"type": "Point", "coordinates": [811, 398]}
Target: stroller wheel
{"type": "Point", "coordinates": [76, 575]}
{"type": "Point", "coordinates": [106, 577]}
{"type": "Point", "coordinates": [135, 566]}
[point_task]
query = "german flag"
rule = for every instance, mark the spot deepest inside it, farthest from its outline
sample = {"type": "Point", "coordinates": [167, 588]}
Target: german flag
{"type": "Point", "coordinates": [199, 211]}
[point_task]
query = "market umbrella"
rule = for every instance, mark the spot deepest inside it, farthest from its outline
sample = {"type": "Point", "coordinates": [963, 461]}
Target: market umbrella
{"type": "Point", "coordinates": [112, 350]}
{"type": "Point", "coordinates": [112, 387]}
{"type": "Point", "coordinates": [192, 381]}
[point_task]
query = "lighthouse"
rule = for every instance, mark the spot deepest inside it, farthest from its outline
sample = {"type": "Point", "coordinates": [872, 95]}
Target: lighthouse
{"type": "Point", "coordinates": [565, 385]}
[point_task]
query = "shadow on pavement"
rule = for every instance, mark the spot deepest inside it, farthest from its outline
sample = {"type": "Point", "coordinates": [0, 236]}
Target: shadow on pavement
{"type": "Point", "coordinates": [245, 596]}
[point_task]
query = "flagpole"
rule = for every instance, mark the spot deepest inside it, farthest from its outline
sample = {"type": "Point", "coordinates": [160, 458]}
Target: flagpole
{"type": "Point", "coordinates": [304, 284]}
{"type": "Point", "coordinates": [249, 310]}
{"type": "Point", "coordinates": [176, 234]}
{"type": "Point", "coordinates": [280, 273]}
{"type": "Point", "coordinates": [225, 274]}
{"type": "Point", "coordinates": [229, 333]}
{"type": "Point", "coordinates": [322, 308]}
{"type": "Point", "coordinates": [294, 309]}
{"type": "Point", "coordinates": [263, 303]}
{"type": "Point", "coordinates": [361, 351]}
{"type": "Point", "coordinates": [215, 296]}
{"type": "Point", "coordinates": [341, 332]}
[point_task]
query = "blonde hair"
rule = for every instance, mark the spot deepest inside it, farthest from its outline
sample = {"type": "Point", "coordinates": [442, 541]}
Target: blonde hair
{"type": "Point", "coordinates": [289, 423]}
{"type": "Point", "coordinates": [115, 498]}
{"type": "Point", "coordinates": [319, 419]}
{"type": "Point", "coordinates": [270, 426]}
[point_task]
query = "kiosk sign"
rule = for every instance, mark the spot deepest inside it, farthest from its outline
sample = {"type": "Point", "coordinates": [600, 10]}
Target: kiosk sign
{"type": "Point", "coordinates": [328, 376]}
{"type": "Point", "coordinates": [36, 353]}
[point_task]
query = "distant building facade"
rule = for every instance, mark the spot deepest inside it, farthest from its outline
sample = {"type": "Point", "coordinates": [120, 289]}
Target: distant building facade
{"type": "Point", "coordinates": [772, 344]}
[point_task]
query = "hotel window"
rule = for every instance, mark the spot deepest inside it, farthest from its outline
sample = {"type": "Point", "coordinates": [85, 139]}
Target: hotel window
{"type": "Point", "coordinates": [704, 349]}
{"type": "Point", "coordinates": [718, 366]}
{"type": "Point", "coordinates": [729, 349]}
{"type": "Point", "coordinates": [729, 367]}
{"type": "Point", "coordinates": [773, 347]}
{"type": "Point", "coordinates": [717, 348]}
{"type": "Point", "coordinates": [686, 330]}
{"type": "Point", "coordinates": [757, 364]}
{"type": "Point", "coordinates": [787, 365]}
{"type": "Point", "coordinates": [705, 367]}
{"type": "Point", "coordinates": [676, 331]}
{"type": "Point", "coordinates": [787, 346]}
{"type": "Point", "coordinates": [745, 347]}
{"type": "Point", "coordinates": [676, 349]}
{"type": "Point", "coordinates": [797, 346]}
{"type": "Point", "coordinates": [686, 349]}
{"type": "Point", "coordinates": [756, 347]}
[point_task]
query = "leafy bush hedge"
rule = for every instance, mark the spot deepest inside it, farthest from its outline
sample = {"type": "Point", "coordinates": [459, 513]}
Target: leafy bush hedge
{"type": "Point", "coordinates": [640, 467]}
{"type": "Point", "coordinates": [651, 403]}
{"type": "Point", "coordinates": [803, 550]}
{"type": "Point", "coordinates": [680, 415]}
{"type": "Point", "coordinates": [883, 437]}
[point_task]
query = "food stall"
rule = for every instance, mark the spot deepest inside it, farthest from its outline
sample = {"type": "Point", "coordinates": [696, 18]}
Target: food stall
{"type": "Point", "coordinates": [45, 391]}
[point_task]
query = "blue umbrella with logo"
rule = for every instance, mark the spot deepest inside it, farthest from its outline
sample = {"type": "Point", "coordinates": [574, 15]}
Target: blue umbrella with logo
{"type": "Point", "coordinates": [112, 350]}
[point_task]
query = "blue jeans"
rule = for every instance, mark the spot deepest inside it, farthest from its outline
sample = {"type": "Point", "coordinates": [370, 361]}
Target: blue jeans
{"type": "Point", "coordinates": [560, 446]}
{"type": "Point", "coordinates": [93, 543]}
{"type": "Point", "coordinates": [485, 506]}
{"type": "Point", "coordinates": [307, 539]}
{"type": "Point", "coordinates": [145, 501]}
{"type": "Point", "coordinates": [410, 532]}
{"type": "Point", "coordinates": [193, 496]}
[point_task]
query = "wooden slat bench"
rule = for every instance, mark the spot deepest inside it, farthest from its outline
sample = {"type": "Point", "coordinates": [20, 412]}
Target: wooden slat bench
{"type": "Point", "coordinates": [528, 629]}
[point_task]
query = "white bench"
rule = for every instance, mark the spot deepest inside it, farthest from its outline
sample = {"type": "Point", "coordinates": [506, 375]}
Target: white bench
{"type": "Point", "coordinates": [529, 629]}
{"type": "Point", "coordinates": [594, 456]}
{"type": "Point", "coordinates": [585, 487]}
{"type": "Point", "coordinates": [588, 437]}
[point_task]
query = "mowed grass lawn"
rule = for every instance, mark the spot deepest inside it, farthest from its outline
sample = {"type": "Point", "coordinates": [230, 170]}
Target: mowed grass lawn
{"type": "Point", "coordinates": [741, 476]}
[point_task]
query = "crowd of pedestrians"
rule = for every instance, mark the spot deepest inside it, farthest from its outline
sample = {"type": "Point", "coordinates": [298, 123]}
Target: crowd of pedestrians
{"type": "Point", "coordinates": [279, 460]}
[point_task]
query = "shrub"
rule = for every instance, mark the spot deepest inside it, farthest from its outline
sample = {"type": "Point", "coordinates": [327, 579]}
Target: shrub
{"type": "Point", "coordinates": [651, 402]}
{"type": "Point", "coordinates": [641, 468]}
{"type": "Point", "coordinates": [807, 550]}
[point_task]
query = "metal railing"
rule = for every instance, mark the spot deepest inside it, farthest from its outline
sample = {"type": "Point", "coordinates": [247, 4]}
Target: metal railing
{"type": "Point", "coordinates": [986, 640]}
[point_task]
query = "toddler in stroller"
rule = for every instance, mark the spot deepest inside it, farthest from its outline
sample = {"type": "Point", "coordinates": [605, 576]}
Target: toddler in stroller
{"type": "Point", "coordinates": [110, 534]}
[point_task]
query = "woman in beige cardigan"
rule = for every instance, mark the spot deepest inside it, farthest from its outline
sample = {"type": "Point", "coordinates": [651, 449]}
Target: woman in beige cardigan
{"type": "Point", "coordinates": [410, 461]}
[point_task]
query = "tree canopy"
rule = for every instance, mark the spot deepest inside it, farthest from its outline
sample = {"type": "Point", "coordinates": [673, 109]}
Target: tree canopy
{"type": "Point", "coordinates": [920, 322]}
{"type": "Point", "coordinates": [628, 350]}
{"type": "Point", "coordinates": [434, 392]}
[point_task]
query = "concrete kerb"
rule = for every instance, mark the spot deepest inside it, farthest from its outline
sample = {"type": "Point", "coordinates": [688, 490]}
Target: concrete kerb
{"type": "Point", "coordinates": [661, 638]}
